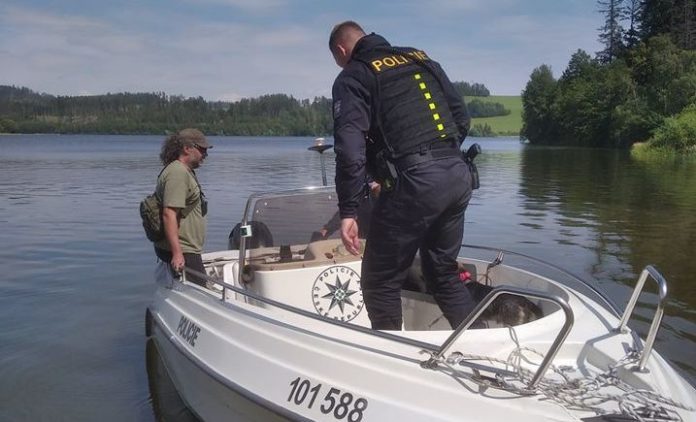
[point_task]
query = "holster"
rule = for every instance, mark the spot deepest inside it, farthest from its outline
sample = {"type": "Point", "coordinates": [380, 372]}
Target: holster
{"type": "Point", "coordinates": [475, 183]}
{"type": "Point", "coordinates": [469, 157]}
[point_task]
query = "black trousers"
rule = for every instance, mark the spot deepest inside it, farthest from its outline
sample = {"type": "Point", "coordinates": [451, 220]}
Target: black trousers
{"type": "Point", "coordinates": [191, 260]}
{"type": "Point", "coordinates": [424, 211]}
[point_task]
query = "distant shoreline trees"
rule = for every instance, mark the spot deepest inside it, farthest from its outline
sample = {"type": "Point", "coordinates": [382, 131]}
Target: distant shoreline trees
{"type": "Point", "coordinates": [466, 89]}
{"type": "Point", "coordinates": [478, 108]}
{"type": "Point", "coordinates": [25, 111]}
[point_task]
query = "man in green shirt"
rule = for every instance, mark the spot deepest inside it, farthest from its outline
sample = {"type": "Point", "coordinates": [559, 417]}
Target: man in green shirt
{"type": "Point", "coordinates": [184, 206]}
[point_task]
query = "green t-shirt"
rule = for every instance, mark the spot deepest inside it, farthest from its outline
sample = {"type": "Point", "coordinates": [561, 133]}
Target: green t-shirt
{"type": "Point", "coordinates": [177, 188]}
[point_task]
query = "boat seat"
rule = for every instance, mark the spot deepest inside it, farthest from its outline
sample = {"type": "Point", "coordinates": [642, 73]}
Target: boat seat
{"type": "Point", "coordinates": [316, 254]}
{"type": "Point", "coordinates": [329, 250]}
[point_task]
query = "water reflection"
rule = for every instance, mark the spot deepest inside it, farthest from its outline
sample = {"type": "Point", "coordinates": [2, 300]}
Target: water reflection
{"type": "Point", "coordinates": [167, 404]}
{"type": "Point", "coordinates": [627, 214]}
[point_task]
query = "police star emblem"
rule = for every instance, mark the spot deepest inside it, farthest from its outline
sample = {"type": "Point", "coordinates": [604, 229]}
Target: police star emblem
{"type": "Point", "coordinates": [336, 293]}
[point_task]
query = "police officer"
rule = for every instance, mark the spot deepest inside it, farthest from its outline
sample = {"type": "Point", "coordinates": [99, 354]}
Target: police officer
{"type": "Point", "coordinates": [398, 117]}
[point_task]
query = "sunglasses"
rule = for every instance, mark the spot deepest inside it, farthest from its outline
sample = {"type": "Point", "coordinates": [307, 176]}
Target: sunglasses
{"type": "Point", "coordinates": [201, 149]}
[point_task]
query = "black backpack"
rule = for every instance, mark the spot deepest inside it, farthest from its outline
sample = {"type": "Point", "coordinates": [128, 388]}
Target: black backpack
{"type": "Point", "coordinates": [151, 214]}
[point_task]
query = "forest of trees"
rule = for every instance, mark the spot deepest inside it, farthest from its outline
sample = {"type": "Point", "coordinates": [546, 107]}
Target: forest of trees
{"type": "Point", "coordinates": [473, 89]}
{"type": "Point", "coordinates": [640, 87]}
{"type": "Point", "coordinates": [478, 108]}
{"type": "Point", "coordinates": [25, 111]}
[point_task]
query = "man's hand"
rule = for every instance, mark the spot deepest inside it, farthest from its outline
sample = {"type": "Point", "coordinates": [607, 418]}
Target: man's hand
{"type": "Point", "coordinates": [171, 231]}
{"type": "Point", "coordinates": [178, 262]}
{"type": "Point", "coordinates": [349, 235]}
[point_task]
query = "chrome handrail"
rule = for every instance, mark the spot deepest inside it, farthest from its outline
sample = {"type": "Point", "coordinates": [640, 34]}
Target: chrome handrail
{"type": "Point", "coordinates": [438, 351]}
{"type": "Point", "coordinates": [490, 297]}
{"type": "Point", "coordinates": [659, 313]}
{"type": "Point", "coordinates": [251, 295]}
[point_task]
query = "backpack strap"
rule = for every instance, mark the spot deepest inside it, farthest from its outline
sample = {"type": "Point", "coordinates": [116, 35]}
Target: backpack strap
{"type": "Point", "coordinates": [186, 210]}
{"type": "Point", "coordinates": [201, 198]}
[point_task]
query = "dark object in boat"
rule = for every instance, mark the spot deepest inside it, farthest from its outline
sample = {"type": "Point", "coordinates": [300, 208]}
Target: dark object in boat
{"type": "Point", "coordinates": [260, 236]}
{"type": "Point", "coordinates": [506, 309]}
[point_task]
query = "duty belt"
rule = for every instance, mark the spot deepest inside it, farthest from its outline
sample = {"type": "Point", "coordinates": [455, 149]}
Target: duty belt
{"type": "Point", "coordinates": [434, 151]}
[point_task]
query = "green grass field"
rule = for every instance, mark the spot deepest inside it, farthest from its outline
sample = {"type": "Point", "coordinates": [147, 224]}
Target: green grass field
{"type": "Point", "coordinates": [502, 125]}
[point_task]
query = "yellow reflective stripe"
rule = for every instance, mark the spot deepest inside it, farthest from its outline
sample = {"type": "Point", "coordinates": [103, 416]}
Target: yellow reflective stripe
{"type": "Point", "coordinates": [432, 106]}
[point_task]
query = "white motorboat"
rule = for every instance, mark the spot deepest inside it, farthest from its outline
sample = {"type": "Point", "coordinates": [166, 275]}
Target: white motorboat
{"type": "Point", "coordinates": [281, 333]}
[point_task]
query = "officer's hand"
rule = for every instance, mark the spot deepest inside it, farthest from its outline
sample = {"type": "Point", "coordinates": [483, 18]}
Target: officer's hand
{"type": "Point", "coordinates": [349, 235]}
{"type": "Point", "coordinates": [375, 189]}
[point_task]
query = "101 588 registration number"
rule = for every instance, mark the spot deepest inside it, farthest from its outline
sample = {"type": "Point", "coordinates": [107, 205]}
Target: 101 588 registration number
{"type": "Point", "coordinates": [339, 404]}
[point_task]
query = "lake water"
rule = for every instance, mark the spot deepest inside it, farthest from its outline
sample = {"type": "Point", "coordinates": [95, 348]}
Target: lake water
{"type": "Point", "coordinates": [77, 269]}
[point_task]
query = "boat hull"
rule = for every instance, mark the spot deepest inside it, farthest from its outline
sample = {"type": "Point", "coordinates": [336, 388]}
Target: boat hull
{"type": "Point", "coordinates": [262, 365]}
{"type": "Point", "coordinates": [206, 394]}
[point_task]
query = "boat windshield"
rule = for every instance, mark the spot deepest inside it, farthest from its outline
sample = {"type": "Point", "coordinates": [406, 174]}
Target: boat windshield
{"type": "Point", "coordinates": [282, 225]}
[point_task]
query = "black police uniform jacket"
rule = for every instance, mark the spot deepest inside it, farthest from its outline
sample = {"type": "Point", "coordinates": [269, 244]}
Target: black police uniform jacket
{"type": "Point", "coordinates": [389, 97]}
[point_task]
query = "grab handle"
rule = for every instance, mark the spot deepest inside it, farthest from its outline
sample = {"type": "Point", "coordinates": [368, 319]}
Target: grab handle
{"type": "Point", "coordinates": [659, 313]}
{"type": "Point", "coordinates": [490, 297]}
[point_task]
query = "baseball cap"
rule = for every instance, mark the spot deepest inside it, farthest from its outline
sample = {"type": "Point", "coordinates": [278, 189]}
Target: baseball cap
{"type": "Point", "coordinates": [194, 136]}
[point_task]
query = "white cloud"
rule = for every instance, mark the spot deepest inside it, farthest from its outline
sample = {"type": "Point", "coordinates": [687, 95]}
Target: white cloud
{"type": "Point", "coordinates": [229, 96]}
{"type": "Point", "coordinates": [247, 5]}
{"type": "Point", "coordinates": [54, 23]}
{"type": "Point", "coordinates": [233, 61]}
{"type": "Point", "coordinates": [65, 54]}
{"type": "Point", "coordinates": [71, 36]}
{"type": "Point", "coordinates": [290, 37]}
{"type": "Point", "coordinates": [461, 9]}
{"type": "Point", "coordinates": [230, 58]}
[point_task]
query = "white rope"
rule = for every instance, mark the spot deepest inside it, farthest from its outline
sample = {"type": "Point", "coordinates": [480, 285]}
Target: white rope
{"type": "Point", "coordinates": [584, 394]}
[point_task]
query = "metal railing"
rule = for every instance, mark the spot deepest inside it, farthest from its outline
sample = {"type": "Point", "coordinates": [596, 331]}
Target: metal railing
{"type": "Point", "coordinates": [251, 295]}
{"type": "Point", "coordinates": [486, 302]}
{"type": "Point", "coordinates": [438, 351]}
{"type": "Point", "coordinates": [659, 312]}
{"type": "Point", "coordinates": [606, 300]}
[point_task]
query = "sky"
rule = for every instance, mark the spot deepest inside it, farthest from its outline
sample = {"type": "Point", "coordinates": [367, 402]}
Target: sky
{"type": "Point", "coordinates": [232, 49]}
